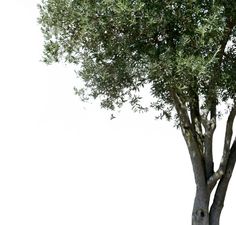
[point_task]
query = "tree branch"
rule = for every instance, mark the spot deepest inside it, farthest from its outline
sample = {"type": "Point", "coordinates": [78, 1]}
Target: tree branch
{"type": "Point", "coordinates": [220, 193]}
{"type": "Point", "coordinates": [226, 152]}
{"type": "Point", "coordinates": [209, 124]}
{"type": "Point", "coordinates": [211, 98]}
{"type": "Point", "coordinates": [228, 138]}
{"type": "Point", "coordinates": [210, 127]}
{"type": "Point", "coordinates": [196, 117]}
{"type": "Point", "coordinates": [189, 136]}
{"type": "Point", "coordinates": [208, 155]}
{"type": "Point", "coordinates": [213, 179]}
{"type": "Point", "coordinates": [181, 110]}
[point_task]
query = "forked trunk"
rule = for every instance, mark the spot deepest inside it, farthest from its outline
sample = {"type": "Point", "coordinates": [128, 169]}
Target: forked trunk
{"type": "Point", "coordinates": [201, 215]}
{"type": "Point", "coordinates": [199, 144]}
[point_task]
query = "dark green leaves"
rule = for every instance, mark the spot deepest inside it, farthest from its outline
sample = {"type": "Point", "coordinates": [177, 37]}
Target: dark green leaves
{"type": "Point", "coordinates": [124, 45]}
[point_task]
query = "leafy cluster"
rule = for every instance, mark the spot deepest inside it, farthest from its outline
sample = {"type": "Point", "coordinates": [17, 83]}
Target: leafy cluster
{"type": "Point", "coordinates": [120, 46]}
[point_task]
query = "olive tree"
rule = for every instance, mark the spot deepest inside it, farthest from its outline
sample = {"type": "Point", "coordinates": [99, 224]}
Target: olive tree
{"type": "Point", "coordinates": [182, 51]}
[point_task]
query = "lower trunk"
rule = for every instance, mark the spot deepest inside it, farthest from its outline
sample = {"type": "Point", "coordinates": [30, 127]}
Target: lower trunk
{"type": "Point", "coordinates": [200, 217]}
{"type": "Point", "coordinates": [215, 215]}
{"type": "Point", "coordinates": [200, 214]}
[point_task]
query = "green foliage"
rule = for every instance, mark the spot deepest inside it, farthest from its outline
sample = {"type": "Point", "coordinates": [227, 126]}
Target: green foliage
{"type": "Point", "coordinates": [122, 46]}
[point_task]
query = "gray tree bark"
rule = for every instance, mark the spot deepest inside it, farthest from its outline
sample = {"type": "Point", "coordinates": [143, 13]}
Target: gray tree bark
{"type": "Point", "coordinates": [200, 151]}
{"type": "Point", "coordinates": [203, 213]}
{"type": "Point", "coordinates": [222, 187]}
{"type": "Point", "coordinates": [200, 214]}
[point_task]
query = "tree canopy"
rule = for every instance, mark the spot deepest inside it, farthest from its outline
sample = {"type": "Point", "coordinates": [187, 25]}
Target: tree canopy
{"type": "Point", "coordinates": [186, 47]}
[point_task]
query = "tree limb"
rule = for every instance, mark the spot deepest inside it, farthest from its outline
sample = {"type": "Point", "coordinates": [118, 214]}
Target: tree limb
{"type": "Point", "coordinates": [181, 110]}
{"type": "Point", "coordinates": [220, 193]}
{"type": "Point", "coordinates": [226, 152]}
{"type": "Point", "coordinates": [196, 117]}
{"type": "Point", "coordinates": [211, 97]}
{"type": "Point", "coordinates": [213, 179]}
{"type": "Point", "coordinates": [209, 123]}
{"type": "Point", "coordinates": [189, 136]}
{"type": "Point", "coordinates": [228, 137]}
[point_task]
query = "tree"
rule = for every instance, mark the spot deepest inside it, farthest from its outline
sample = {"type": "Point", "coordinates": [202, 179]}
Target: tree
{"type": "Point", "coordinates": [183, 51]}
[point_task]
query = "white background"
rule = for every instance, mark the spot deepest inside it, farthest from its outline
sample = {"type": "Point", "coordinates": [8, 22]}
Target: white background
{"type": "Point", "coordinates": [63, 162]}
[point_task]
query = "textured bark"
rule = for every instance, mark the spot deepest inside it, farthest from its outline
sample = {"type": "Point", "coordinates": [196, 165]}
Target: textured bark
{"type": "Point", "coordinates": [218, 202]}
{"type": "Point", "coordinates": [200, 215]}
{"type": "Point", "coordinates": [200, 151]}
{"type": "Point", "coordinates": [222, 187]}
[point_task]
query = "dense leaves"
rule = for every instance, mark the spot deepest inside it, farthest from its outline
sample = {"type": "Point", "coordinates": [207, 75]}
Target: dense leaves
{"type": "Point", "coordinates": [120, 46]}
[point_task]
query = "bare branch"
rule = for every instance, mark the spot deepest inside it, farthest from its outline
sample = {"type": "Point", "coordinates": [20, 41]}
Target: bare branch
{"type": "Point", "coordinates": [196, 120]}
{"type": "Point", "coordinates": [226, 152]}
{"type": "Point", "coordinates": [209, 125]}
{"type": "Point", "coordinates": [212, 181]}
{"type": "Point", "coordinates": [208, 155]}
{"type": "Point", "coordinates": [220, 193]}
{"type": "Point", "coordinates": [190, 138]}
{"type": "Point", "coordinates": [228, 137]}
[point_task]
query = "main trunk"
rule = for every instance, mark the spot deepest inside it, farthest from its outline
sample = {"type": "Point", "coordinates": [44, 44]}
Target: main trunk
{"type": "Point", "coordinates": [200, 213]}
